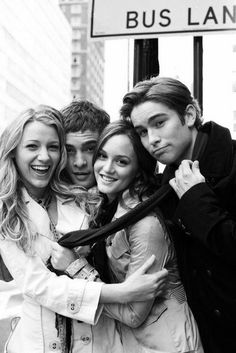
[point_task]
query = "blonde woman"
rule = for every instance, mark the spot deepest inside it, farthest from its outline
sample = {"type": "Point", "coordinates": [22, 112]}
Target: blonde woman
{"type": "Point", "coordinates": [35, 209]}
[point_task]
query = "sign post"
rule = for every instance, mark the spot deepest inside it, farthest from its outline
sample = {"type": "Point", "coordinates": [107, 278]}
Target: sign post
{"type": "Point", "coordinates": [152, 18]}
{"type": "Point", "coordinates": [197, 69]}
{"type": "Point", "coordinates": [147, 20]}
{"type": "Point", "coordinates": [145, 59]}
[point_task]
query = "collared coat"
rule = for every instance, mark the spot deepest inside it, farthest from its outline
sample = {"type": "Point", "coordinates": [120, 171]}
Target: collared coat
{"type": "Point", "coordinates": [165, 324]}
{"type": "Point", "coordinates": [205, 239]}
{"type": "Point", "coordinates": [44, 293]}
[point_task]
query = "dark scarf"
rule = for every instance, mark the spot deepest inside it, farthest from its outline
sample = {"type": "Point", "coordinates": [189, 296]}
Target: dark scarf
{"type": "Point", "coordinates": [98, 256]}
{"type": "Point", "coordinates": [90, 236]}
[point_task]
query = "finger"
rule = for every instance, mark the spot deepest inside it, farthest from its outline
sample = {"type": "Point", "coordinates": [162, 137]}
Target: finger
{"type": "Point", "coordinates": [172, 183]}
{"type": "Point", "coordinates": [186, 163]}
{"type": "Point", "coordinates": [178, 173]}
{"type": "Point", "coordinates": [196, 169]}
{"type": "Point", "coordinates": [161, 289]}
{"type": "Point", "coordinates": [162, 284]}
{"type": "Point", "coordinates": [52, 261]}
{"type": "Point", "coordinates": [55, 251]}
{"type": "Point", "coordinates": [195, 166]}
{"type": "Point", "coordinates": [186, 166]}
{"type": "Point", "coordinates": [197, 172]}
{"type": "Point", "coordinates": [147, 265]}
{"type": "Point", "coordinates": [162, 274]}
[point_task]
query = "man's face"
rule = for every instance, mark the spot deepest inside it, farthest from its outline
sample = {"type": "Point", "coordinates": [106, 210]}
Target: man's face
{"type": "Point", "coordinates": [162, 133]}
{"type": "Point", "coordinates": [80, 149]}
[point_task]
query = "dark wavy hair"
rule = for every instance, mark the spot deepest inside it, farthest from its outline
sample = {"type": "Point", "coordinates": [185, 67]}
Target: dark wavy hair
{"type": "Point", "coordinates": [145, 181]}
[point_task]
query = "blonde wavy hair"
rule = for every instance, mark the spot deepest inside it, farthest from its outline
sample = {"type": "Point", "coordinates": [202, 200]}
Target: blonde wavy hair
{"type": "Point", "coordinates": [14, 220]}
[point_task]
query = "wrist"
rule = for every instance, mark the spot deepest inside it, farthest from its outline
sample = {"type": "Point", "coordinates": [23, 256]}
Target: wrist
{"type": "Point", "coordinates": [114, 293]}
{"type": "Point", "coordinates": [80, 268]}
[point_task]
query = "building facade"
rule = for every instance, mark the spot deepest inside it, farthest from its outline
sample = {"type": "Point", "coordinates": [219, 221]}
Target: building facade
{"type": "Point", "coordinates": [35, 49]}
{"type": "Point", "coordinates": [87, 57]}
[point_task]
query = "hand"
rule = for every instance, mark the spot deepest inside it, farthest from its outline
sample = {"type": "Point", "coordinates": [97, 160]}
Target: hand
{"type": "Point", "coordinates": [141, 286]}
{"type": "Point", "coordinates": [186, 176]}
{"type": "Point", "coordinates": [61, 257]}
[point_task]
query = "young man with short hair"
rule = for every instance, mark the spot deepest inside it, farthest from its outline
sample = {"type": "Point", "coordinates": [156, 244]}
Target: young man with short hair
{"type": "Point", "coordinates": [168, 121]}
{"type": "Point", "coordinates": [84, 122]}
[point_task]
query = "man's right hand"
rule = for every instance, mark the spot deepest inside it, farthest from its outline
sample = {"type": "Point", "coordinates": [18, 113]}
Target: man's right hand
{"type": "Point", "coordinates": [186, 176]}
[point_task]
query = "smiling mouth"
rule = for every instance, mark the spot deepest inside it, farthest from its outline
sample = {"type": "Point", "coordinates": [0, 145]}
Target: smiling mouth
{"type": "Point", "coordinates": [107, 179]}
{"type": "Point", "coordinates": [39, 169]}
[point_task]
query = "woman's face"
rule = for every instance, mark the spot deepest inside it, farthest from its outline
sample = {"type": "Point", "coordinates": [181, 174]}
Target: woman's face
{"type": "Point", "coordinates": [37, 156]}
{"type": "Point", "coordinates": [115, 166]}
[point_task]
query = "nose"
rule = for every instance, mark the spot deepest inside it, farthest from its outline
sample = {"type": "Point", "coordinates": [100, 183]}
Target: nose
{"type": "Point", "coordinates": [79, 161]}
{"type": "Point", "coordinates": [108, 166]}
{"type": "Point", "coordinates": [43, 155]}
{"type": "Point", "coordinates": [153, 137]}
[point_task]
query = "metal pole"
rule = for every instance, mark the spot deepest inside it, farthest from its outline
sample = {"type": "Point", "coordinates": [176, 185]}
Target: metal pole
{"type": "Point", "coordinates": [145, 59]}
{"type": "Point", "coordinates": [197, 69]}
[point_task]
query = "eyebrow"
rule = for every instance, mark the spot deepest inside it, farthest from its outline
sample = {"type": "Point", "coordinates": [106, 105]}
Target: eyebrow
{"type": "Point", "coordinates": [89, 142]}
{"type": "Point", "coordinates": [35, 140]}
{"type": "Point", "coordinates": [31, 140]}
{"type": "Point", "coordinates": [117, 155]}
{"type": "Point", "coordinates": [151, 118]}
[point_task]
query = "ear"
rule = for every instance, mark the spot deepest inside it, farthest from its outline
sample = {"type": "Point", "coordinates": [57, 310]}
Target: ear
{"type": "Point", "coordinates": [190, 115]}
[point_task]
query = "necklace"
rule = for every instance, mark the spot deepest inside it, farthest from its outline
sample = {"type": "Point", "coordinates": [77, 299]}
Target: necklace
{"type": "Point", "coordinates": [43, 201]}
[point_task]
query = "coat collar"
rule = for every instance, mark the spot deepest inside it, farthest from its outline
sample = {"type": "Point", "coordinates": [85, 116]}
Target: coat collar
{"type": "Point", "coordinates": [126, 203]}
{"type": "Point", "coordinates": [216, 160]}
{"type": "Point", "coordinates": [37, 214]}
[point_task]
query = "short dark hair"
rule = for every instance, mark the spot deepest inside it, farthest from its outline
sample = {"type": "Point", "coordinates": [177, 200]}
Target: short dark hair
{"type": "Point", "coordinates": [166, 90]}
{"type": "Point", "coordinates": [82, 115]}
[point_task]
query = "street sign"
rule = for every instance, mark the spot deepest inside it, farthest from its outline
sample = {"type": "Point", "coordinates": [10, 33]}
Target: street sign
{"type": "Point", "coordinates": [149, 18]}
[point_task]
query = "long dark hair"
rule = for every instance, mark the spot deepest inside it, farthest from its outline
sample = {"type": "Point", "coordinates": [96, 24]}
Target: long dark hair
{"type": "Point", "coordinates": [145, 182]}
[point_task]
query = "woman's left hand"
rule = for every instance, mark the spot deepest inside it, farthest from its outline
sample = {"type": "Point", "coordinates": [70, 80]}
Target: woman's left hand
{"type": "Point", "coordinates": [61, 257]}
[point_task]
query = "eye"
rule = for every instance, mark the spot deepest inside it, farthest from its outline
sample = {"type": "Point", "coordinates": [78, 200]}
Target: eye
{"type": "Point", "coordinates": [142, 133]}
{"type": "Point", "coordinates": [159, 123]}
{"type": "Point", "coordinates": [32, 146]}
{"type": "Point", "coordinates": [122, 162]}
{"type": "Point", "coordinates": [54, 148]}
{"type": "Point", "coordinates": [70, 150]}
{"type": "Point", "coordinates": [90, 149]}
{"type": "Point", "coordinates": [101, 155]}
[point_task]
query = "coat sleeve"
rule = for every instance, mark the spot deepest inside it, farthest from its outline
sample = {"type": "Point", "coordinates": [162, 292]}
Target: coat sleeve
{"type": "Point", "coordinates": [77, 299]}
{"type": "Point", "coordinates": [201, 216]}
{"type": "Point", "coordinates": [146, 237]}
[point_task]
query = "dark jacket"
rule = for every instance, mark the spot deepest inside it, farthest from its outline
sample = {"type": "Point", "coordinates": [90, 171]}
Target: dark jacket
{"type": "Point", "coordinates": [205, 240]}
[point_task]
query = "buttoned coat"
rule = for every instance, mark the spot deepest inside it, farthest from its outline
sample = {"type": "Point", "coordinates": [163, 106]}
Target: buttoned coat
{"type": "Point", "coordinates": [162, 325]}
{"type": "Point", "coordinates": [44, 293]}
{"type": "Point", "coordinates": [205, 239]}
